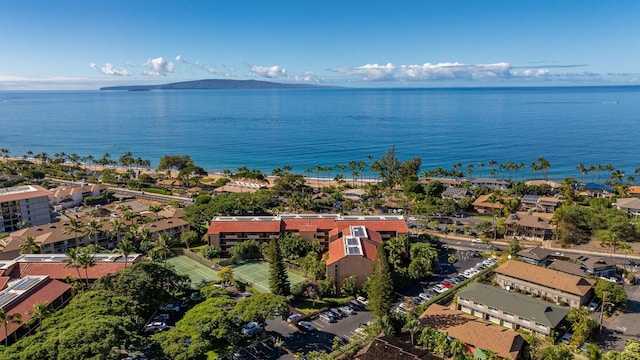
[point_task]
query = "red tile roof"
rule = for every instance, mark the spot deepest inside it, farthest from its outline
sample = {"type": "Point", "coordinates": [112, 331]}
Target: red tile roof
{"type": "Point", "coordinates": [336, 250]}
{"type": "Point", "coordinates": [398, 226]}
{"type": "Point", "coordinates": [217, 227]}
{"type": "Point", "coordinates": [59, 271]}
{"type": "Point", "coordinates": [298, 224]}
{"type": "Point", "coordinates": [51, 291]}
{"type": "Point", "coordinates": [3, 282]}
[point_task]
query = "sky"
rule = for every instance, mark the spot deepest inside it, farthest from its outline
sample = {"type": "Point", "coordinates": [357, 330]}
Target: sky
{"type": "Point", "coordinates": [65, 44]}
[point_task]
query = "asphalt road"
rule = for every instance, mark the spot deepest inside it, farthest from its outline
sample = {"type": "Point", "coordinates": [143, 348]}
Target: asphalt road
{"type": "Point", "coordinates": [623, 325]}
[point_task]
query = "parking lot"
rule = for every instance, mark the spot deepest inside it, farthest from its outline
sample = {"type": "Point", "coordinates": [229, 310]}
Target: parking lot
{"type": "Point", "coordinates": [321, 339]}
{"type": "Point", "coordinates": [464, 259]}
{"type": "Point", "coordinates": [623, 325]}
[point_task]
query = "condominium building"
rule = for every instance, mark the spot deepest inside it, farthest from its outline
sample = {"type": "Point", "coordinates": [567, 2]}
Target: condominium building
{"type": "Point", "coordinates": [227, 231]}
{"type": "Point", "coordinates": [553, 285]}
{"type": "Point", "coordinates": [510, 309]}
{"type": "Point", "coordinates": [23, 204]}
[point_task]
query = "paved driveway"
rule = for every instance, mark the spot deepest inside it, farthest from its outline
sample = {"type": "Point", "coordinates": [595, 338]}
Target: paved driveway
{"type": "Point", "coordinates": [626, 325]}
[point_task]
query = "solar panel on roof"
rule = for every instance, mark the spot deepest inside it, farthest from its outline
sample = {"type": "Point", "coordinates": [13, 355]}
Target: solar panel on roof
{"type": "Point", "coordinates": [6, 298]}
{"type": "Point", "coordinates": [530, 198]}
{"type": "Point", "coordinates": [353, 250]}
{"type": "Point", "coordinates": [352, 241]}
{"type": "Point", "coordinates": [26, 283]}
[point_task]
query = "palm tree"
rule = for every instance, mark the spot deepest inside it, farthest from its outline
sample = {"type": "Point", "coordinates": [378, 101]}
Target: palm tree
{"type": "Point", "coordinates": [582, 169]}
{"type": "Point", "coordinates": [40, 311]}
{"type": "Point", "coordinates": [161, 247]}
{"type": "Point", "coordinates": [116, 229]}
{"type": "Point", "coordinates": [75, 226]}
{"type": "Point", "coordinates": [92, 229]}
{"type": "Point", "coordinates": [7, 320]}
{"type": "Point", "coordinates": [86, 260]}
{"type": "Point", "coordinates": [31, 246]}
{"type": "Point", "coordinates": [413, 326]}
{"type": "Point", "coordinates": [156, 209]}
{"type": "Point", "coordinates": [126, 248]}
{"type": "Point", "coordinates": [617, 175]}
{"type": "Point", "coordinates": [72, 260]}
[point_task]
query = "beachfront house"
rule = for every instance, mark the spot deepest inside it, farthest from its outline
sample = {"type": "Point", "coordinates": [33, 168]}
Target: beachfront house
{"type": "Point", "coordinates": [630, 205]}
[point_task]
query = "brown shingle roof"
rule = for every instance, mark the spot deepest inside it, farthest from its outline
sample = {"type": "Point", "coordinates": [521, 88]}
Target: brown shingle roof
{"type": "Point", "coordinates": [550, 278]}
{"type": "Point", "coordinates": [478, 333]}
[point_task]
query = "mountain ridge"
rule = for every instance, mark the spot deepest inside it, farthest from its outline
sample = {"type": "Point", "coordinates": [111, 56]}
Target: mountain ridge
{"type": "Point", "coordinates": [215, 84]}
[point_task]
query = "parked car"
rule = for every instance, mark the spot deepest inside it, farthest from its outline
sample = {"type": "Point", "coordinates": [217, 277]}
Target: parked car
{"type": "Point", "coordinates": [336, 313]}
{"type": "Point", "coordinates": [305, 325]}
{"type": "Point", "coordinates": [251, 329]}
{"type": "Point", "coordinates": [356, 305]}
{"type": "Point", "coordinates": [156, 326]}
{"type": "Point", "coordinates": [477, 241]}
{"type": "Point", "coordinates": [447, 284]}
{"type": "Point", "coordinates": [327, 318]}
{"type": "Point", "coordinates": [347, 310]}
{"type": "Point", "coordinates": [363, 300]}
{"type": "Point", "coordinates": [593, 306]}
{"type": "Point", "coordinates": [439, 288]}
{"type": "Point", "coordinates": [566, 338]}
{"type": "Point", "coordinates": [425, 296]}
{"type": "Point", "coordinates": [293, 317]}
{"type": "Point", "coordinates": [169, 307]}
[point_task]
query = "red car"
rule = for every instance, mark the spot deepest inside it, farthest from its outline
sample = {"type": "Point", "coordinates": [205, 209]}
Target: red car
{"type": "Point", "coordinates": [446, 284]}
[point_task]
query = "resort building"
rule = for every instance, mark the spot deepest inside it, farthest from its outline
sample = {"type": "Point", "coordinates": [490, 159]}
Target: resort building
{"type": "Point", "coordinates": [353, 255]}
{"type": "Point", "coordinates": [67, 197]}
{"type": "Point", "coordinates": [510, 309]}
{"type": "Point", "coordinates": [634, 191]}
{"type": "Point", "coordinates": [226, 231]}
{"type": "Point", "coordinates": [28, 204]}
{"type": "Point", "coordinates": [529, 226]}
{"type": "Point", "coordinates": [476, 334]}
{"type": "Point", "coordinates": [552, 285]}
{"type": "Point", "coordinates": [455, 193]}
{"type": "Point", "coordinates": [57, 238]}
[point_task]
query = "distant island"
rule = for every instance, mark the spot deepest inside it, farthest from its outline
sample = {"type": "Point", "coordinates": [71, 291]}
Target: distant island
{"type": "Point", "coordinates": [215, 84]}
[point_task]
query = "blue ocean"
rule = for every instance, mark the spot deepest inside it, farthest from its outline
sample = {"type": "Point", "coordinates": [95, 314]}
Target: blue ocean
{"type": "Point", "coordinates": [264, 129]}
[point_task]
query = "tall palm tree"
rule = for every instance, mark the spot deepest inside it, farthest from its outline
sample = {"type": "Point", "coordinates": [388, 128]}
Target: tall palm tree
{"type": "Point", "coordinates": [126, 248]}
{"type": "Point", "coordinates": [413, 326]}
{"type": "Point", "coordinates": [92, 229]}
{"type": "Point", "coordinates": [75, 226]}
{"type": "Point", "coordinates": [86, 260]}
{"type": "Point", "coordinates": [31, 246]}
{"type": "Point", "coordinates": [8, 319]}
{"type": "Point", "coordinates": [40, 311]}
{"type": "Point", "coordinates": [72, 260]}
{"type": "Point", "coordinates": [116, 229]}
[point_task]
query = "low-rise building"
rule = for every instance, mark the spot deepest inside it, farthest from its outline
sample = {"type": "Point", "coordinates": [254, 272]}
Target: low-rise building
{"type": "Point", "coordinates": [353, 255]}
{"type": "Point", "coordinates": [529, 226]}
{"type": "Point", "coordinates": [510, 309]}
{"type": "Point", "coordinates": [226, 231]}
{"type": "Point", "coordinates": [540, 204]}
{"type": "Point", "coordinates": [491, 183]}
{"type": "Point", "coordinates": [488, 204]}
{"type": "Point", "coordinates": [67, 197]}
{"type": "Point", "coordinates": [553, 285]}
{"type": "Point", "coordinates": [478, 335]}
{"type": "Point", "coordinates": [387, 347]}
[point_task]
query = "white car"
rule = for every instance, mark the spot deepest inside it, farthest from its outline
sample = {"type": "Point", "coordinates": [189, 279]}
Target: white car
{"type": "Point", "coordinates": [425, 296]}
{"type": "Point", "coordinates": [293, 317]}
{"type": "Point", "coordinates": [439, 289]}
{"type": "Point", "coordinates": [477, 241]}
{"type": "Point", "coordinates": [593, 306]}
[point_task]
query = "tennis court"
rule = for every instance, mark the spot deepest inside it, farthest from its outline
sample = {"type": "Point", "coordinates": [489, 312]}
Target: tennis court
{"type": "Point", "coordinates": [256, 275]}
{"type": "Point", "coordinates": [198, 273]}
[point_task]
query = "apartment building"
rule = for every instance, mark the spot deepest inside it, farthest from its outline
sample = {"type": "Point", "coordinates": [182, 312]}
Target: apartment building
{"type": "Point", "coordinates": [557, 286]}
{"type": "Point", "coordinates": [227, 231]}
{"type": "Point", "coordinates": [23, 204]}
{"type": "Point", "coordinates": [510, 309]}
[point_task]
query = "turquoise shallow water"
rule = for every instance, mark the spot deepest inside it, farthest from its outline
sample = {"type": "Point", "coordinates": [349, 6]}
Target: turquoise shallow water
{"type": "Point", "coordinates": [264, 129]}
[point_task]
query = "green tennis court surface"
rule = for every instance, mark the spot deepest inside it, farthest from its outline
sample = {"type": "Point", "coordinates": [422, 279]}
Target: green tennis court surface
{"type": "Point", "coordinates": [256, 275]}
{"type": "Point", "coordinates": [198, 273]}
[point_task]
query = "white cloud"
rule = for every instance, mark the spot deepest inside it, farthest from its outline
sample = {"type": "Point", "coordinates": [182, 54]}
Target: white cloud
{"type": "Point", "coordinates": [268, 71]}
{"type": "Point", "coordinates": [159, 66]}
{"type": "Point", "coordinates": [109, 69]}
{"type": "Point", "coordinates": [428, 71]}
